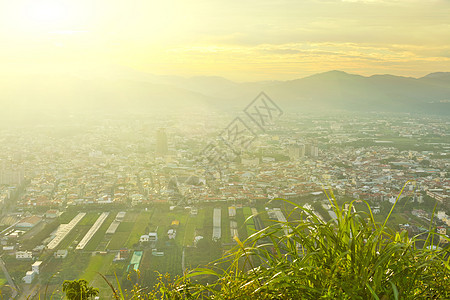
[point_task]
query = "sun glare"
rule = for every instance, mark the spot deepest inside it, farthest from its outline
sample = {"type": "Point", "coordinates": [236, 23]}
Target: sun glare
{"type": "Point", "coordinates": [45, 16]}
{"type": "Point", "coordinates": [50, 12]}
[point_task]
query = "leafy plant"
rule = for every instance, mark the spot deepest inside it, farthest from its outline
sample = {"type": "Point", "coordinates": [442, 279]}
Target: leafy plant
{"type": "Point", "coordinates": [79, 290]}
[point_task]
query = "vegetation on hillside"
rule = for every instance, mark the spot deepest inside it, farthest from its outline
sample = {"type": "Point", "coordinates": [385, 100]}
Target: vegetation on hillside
{"type": "Point", "coordinates": [351, 257]}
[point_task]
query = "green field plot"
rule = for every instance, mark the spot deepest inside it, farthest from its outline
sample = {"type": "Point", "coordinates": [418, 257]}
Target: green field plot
{"type": "Point", "coordinates": [97, 263]}
{"type": "Point", "coordinates": [206, 252]}
{"type": "Point", "coordinates": [120, 237]}
{"type": "Point", "coordinates": [100, 264]}
{"type": "Point", "coordinates": [66, 217]}
{"type": "Point", "coordinates": [225, 226]}
{"type": "Point", "coordinates": [152, 265]}
{"type": "Point", "coordinates": [141, 223]}
{"type": "Point", "coordinates": [131, 216]}
{"type": "Point", "coordinates": [44, 233]}
{"type": "Point", "coordinates": [242, 230]}
{"type": "Point", "coordinates": [16, 268]}
{"type": "Point", "coordinates": [247, 213]}
{"type": "Point", "coordinates": [162, 219]}
{"type": "Point", "coordinates": [250, 229]}
{"type": "Point", "coordinates": [3, 280]}
{"type": "Point", "coordinates": [118, 241]}
{"type": "Point", "coordinates": [264, 218]}
{"type": "Point", "coordinates": [194, 226]}
{"type": "Point", "coordinates": [394, 219]}
{"type": "Point", "coordinates": [125, 227]}
{"type": "Point", "coordinates": [361, 206]}
{"type": "Point", "coordinates": [89, 219]}
{"type": "Point", "coordinates": [57, 270]}
{"type": "Point", "coordinates": [208, 223]}
{"type": "Point", "coordinates": [249, 221]}
{"type": "Point", "coordinates": [181, 216]}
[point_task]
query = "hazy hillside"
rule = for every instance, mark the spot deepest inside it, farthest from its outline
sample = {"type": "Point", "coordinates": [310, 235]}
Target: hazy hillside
{"type": "Point", "coordinates": [134, 90]}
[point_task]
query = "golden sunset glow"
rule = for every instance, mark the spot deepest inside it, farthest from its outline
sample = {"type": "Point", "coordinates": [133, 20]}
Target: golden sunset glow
{"type": "Point", "coordinates": [248, 40]}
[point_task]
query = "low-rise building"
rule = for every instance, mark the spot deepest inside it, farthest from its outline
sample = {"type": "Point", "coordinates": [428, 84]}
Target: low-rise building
{"type": "Point", "coordinates": [61, 253]}
{"type": "Point", "coordinates": [153, 236]}
{"type": "Point", "coordinates": [36, 266]}
{"type": "Point", "coordinates": [24, 255]}
{"type": "Point", "coordinates": [29, 277]}
{"type": "Point", "coordinates": [29, 222]}
{"type": "Point", "coordinates": [51, 214]}
{"type": "Point", "coordinates": [144, 238]}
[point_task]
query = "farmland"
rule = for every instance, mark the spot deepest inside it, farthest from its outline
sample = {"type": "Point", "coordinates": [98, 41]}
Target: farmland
{"type": "Point", "coordinates": [3, 280]}
{"type": "Point", "coordinates": [110, 254]}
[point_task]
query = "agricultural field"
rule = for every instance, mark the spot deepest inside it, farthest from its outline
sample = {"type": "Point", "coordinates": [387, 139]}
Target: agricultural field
{"type": "Point", "coordinates": [16, 268]}
{"type": "Point", "coordinates": [141, 226]}
{"type": "Point", "coordinates": [101, 264]}
{"type": "Point", "coordinates": [67, 216]}
{"type": "Point", "coordinates": [242, 228]}
{"type": "Point", "coordinates": [120, 236]}
{"type": "Point", "coordinates": [194, 227]}
{"type": "Point", "coordinates": [80, 230]}
{"type": "Point", "coordinates": [35, 240]}
{"type": "Point", "coordinates": [225, 226]}
{"type": "Point", "coordinates": [151, 265]}
{"type": "Point", "coordinates": [3, 280]}
{"type": "Point", "coordinates": [249, 221]}
{"type": "Point", "coordinates": [98, 255]}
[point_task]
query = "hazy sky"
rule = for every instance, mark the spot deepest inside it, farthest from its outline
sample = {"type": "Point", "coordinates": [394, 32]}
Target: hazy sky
{"type": "Point", "coordinates": [242, 40]}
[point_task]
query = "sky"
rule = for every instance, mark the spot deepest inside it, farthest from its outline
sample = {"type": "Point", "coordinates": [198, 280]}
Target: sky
{"type": "Point", "coordinates": [240, 40]}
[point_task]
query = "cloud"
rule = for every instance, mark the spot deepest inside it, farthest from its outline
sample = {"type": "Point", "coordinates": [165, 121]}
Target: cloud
{"type": "Point", "coordinates": [283, 60]}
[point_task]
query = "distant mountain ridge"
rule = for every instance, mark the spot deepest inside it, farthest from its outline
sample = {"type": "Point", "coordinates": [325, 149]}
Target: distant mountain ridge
{"type": "Point", "coordinates": [333, 90]}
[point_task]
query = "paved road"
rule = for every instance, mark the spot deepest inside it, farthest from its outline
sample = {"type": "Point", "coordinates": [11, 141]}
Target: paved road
{"type": "Point", "coordinates": [10, 281]}
{"type": "Point", "coordinates": [182, 262]}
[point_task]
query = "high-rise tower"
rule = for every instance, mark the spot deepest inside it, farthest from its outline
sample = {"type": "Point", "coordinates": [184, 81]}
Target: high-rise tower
{"type": "Point", "coordinates": [161, 142]}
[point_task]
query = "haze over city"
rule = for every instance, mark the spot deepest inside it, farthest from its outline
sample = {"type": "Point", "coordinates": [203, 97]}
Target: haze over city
{"type": "Point", "coordinates": [224, 149]}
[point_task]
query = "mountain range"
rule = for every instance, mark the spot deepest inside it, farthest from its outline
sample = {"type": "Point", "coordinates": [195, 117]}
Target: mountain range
{"type": "Point", "coordinates": [130, 89]}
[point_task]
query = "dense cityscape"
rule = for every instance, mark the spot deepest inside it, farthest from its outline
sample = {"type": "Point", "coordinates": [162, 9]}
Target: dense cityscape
{"type": "Point", "coordinates": [137, 191]}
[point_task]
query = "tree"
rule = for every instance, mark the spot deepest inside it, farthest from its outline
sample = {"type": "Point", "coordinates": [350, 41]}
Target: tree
{"type": "Point", "coordinates": [79, 290]}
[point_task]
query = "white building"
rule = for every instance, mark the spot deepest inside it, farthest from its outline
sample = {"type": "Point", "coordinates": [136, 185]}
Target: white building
{"type": "Point", "coordinates": [8, 248]}
{"type": "Point", "coordinates": [144, 238]}
{"type": "Point", "coordinates": [441, 215]}
{"type": "Point", "coordinates": [153, 236]}
{"type": "Point", "coordinates": [35, 267]}
{"type": "Point", "coordinates": [61, 254]}
{"type": "Point", "coordinates": [217, 230]}
{"type": "Point", "coordinates": [172, 233]}
{"type": "Point", "coordinates": [29, 277]}
{"type": "Point", "coordinates": [120, 216]}
{"type": "Point", "coordinates": [136, 199]}
{"type": "Point", "coordinates": [24, 255]}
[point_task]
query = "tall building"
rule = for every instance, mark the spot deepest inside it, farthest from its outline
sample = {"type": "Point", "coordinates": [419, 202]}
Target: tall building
{"type": "Point", "coordinates": [312, 150]}
{"type": "Point", "coordinates": [296, 151]}
{"type": "Point", "coordinates": [11, 175]}
{"type": "Point", "coordinates": [161, 142]}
